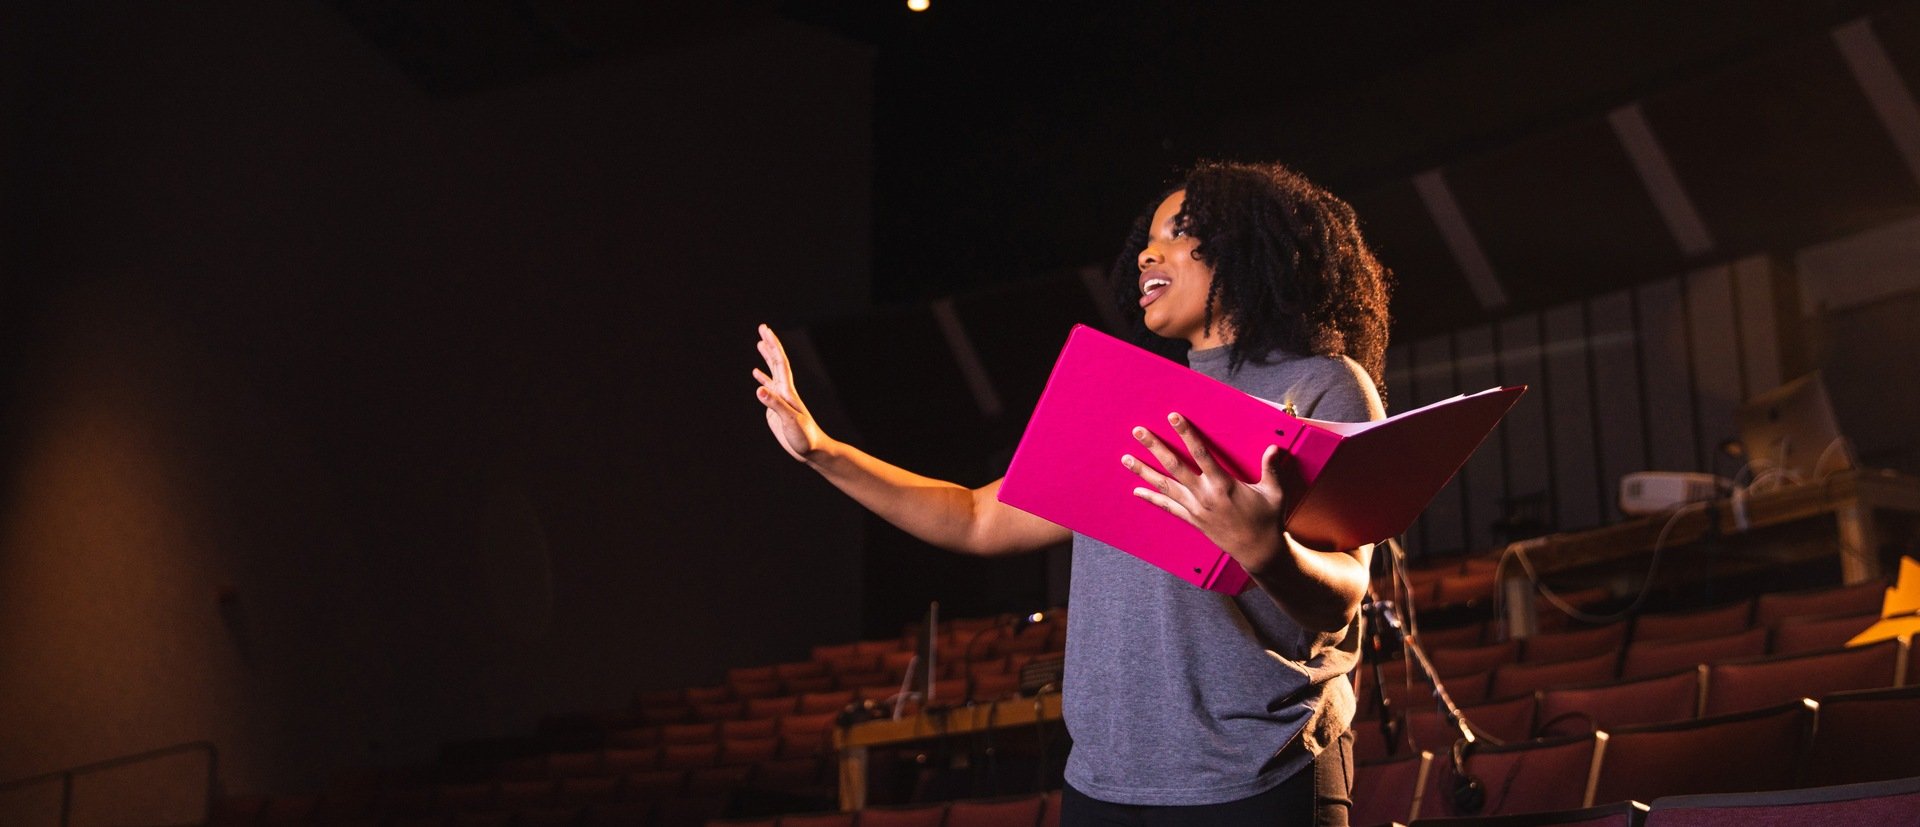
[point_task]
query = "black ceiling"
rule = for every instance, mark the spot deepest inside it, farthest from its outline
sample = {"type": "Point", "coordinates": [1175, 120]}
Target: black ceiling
{"type": "Point", "coordinates": [1018, 138]}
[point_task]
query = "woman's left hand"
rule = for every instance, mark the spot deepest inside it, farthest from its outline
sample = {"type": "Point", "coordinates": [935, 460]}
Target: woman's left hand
{"type": "Point", "coordinates": [1244, 520]}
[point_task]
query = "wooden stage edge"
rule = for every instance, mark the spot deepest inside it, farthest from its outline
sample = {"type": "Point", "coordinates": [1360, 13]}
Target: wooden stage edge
{"type": "Point", "coordinates": [1858, 500]}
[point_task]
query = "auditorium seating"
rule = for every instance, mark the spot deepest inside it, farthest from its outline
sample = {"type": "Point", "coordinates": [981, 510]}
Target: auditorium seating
{"type": "Point", "coordinates": [1526, 776]}
{"type": "Point", "coordinates": [1467, 660]}
{"type": "Point", "coordinates": [1743, 752]}
{"type": "Point", "coordinates": [1507, 719]}
{"type": "Point", "coordinates": [917, 815]}
{"type": "Point", "coordinates": [1471, 634]}
{"type": "Point", "coordinates": [1522, 678]}
{"type": "Point", "coordinates": [818, 820]}
{"type": "Point", "coordinates": [1023, 811]}
{"type": "Point", "coordinates": [1617, 814]}
{"type": "Point", "coordinates": [1654, 657]}
{"type": "Point", "coordinates": [1757, 682]}
{"type": "Point", "coordinates": [1570, 710]}
{"type": "Point", "coordinates": [1031, 810]}
{"type": "Point", "coordinates": [681, 756]}
{"type": "Point", "coordinates": [1727, 619]}
{"type": "Point", "coordinates": [1386, 791]}
{"type": "Point", "coordinates": [1574, 644]}
{"type": "Point", "coordinates": [1464, 689]}
{"type": "Point", "coordinates": [1894, 803]}
{"type": "Point", "coordinates": [1464, 588]}
{"type": "Point", "coordinates": [1865, 735]}
{"type": "Point", "coordinates": [1860, 598]}
{"type": "Point", "coordinates": [1809, 634]}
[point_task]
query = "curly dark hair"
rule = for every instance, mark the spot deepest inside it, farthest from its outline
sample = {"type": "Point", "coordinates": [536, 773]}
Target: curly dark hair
{"type": "Point", "coordinates": [1290, 269]}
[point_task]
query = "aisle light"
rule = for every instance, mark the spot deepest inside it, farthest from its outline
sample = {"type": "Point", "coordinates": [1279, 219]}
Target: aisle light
{"type": "Point", "coordinates": [917, 5]}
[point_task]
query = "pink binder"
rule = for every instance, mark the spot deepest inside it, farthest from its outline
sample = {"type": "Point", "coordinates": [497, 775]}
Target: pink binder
{"type": "Point", "coordinates": [1347, 483]}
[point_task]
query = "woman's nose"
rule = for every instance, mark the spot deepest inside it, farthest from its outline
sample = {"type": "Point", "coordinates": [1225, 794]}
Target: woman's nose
{"type": "Point", "coordinates": [1148, 258]}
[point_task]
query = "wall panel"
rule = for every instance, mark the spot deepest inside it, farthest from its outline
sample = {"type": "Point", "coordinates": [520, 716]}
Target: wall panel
{"type": "Point", "coordinates": [1485, 476]}
{"type": "Point", "coordinates": [1666, 377]}
{"type": "Point", "coordinates": [1528, 453]}
{"type": "Point", "coordinates": [1620, 415]}
{"type": "Point", "coordinates": [1716, 356]}
{"type": "Point", "coordinates": [1433, 381]}
{"type": "Point", "coordinates": [1569, 400]}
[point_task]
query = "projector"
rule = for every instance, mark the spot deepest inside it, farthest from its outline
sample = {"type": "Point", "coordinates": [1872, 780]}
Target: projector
{"type": "Point", "coordinates": [1651, 492]}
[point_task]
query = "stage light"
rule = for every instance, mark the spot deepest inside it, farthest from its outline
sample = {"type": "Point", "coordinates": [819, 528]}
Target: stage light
{"type": "Point", "coordinates": [917, 5]}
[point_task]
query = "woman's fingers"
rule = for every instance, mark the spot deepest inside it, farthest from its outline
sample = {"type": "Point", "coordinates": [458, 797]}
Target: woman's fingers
{"type": "Point", "coordinates": [1196, 445]}
{"type": "Point", "coordinates": [770, 354]}
{"type": "Point", "coordinates": [1166, 503]}
{"type": "Point", "coordinates": [775, 352]}
{"type": "Point", "coordinates": [1154, 479]}
{"type": "Point", "coordinates": [1270, 463]}
{"type": "Point", "coordinates": [1168, 458]}
{"type": "Point", "coordinates": [787, 416]}
{"type": "Point", "coordinates": [778, 404]}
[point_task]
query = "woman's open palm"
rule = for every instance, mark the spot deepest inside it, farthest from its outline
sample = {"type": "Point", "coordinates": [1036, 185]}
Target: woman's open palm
{"type": "Point", "coordinates": [787, 416]}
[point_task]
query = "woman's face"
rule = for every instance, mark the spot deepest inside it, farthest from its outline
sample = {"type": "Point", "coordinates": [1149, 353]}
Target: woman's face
{"type": "Point", "coordinates": [1174, 285]}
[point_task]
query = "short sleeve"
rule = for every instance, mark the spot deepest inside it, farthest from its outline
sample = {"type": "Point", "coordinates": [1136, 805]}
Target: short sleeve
{"type": "Point", "coordinates": [1341, 391]}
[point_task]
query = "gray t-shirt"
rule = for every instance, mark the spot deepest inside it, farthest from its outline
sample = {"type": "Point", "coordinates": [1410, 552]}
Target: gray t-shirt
{"type": "Point", "coordinates": [1176, 695]}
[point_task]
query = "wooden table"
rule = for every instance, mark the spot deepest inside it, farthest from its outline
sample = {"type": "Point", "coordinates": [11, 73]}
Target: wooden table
{"type": "Point", "coordinates": [1869, 508]}
{"type": "Point", "coordinates": [853, 742]}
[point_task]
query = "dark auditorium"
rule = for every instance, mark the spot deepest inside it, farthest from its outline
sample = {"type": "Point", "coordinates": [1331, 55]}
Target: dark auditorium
{"type": "Point", "coordinates": [960, 413]}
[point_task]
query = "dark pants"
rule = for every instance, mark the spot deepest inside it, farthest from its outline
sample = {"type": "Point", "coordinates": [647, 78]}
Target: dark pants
{"type": "Point", "coordinates": [1318, 796]}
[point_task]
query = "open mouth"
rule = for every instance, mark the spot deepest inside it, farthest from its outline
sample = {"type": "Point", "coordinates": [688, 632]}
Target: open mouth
{"type": "Point", "coordinates": [1152, 288]}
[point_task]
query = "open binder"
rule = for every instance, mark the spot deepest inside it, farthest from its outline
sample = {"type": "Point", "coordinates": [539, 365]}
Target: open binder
{"type": "Point", "coordinates": [1347, 483]}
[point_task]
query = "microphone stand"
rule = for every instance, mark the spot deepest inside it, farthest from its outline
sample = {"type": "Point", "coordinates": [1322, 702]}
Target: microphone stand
{"type": "Point", "coordinates": [1387, 625]}
{"type": "Point", "coordinates": [1468, 795]}
{"type": "Point", "coordinates": [1380, 640]}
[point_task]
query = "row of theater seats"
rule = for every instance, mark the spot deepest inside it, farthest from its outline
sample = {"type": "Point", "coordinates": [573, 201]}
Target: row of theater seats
{"type": "Point", "coordinates": [1894, 803]}
{"type": "Point", "coordinates": [683, 756]}
{"type": "Point", "coordinates": [982, 681]}
{"type": "Point", "coordinates": [656, 798]}
{"type": "Point", "coordinates": [976, 660]}
{"type": "Point", "coordinates": [1771, 626]}
{"type": "Point", "coordinates": [1842, 738]}
{"type": "Point", "coordinates": [1768, 609]}
{"type": "Point", "coordinates": [1648, 670]}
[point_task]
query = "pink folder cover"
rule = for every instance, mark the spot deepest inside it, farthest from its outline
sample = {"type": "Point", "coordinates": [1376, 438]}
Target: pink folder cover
{"type": "Point", "coordinates": [1347, 483]}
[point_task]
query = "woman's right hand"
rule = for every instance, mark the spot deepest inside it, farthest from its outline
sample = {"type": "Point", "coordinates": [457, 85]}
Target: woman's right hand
{"type": "Point", "coordinates": [787, 416]}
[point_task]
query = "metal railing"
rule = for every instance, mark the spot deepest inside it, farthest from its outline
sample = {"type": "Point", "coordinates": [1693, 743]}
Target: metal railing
{"type": "Point", "coordinates": [67, 776]}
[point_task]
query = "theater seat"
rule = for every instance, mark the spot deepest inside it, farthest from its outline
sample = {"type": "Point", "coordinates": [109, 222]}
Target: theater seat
{"type": "Point", "coordinates": [1023, 811]}
{"type": "Point", "coordinates": [1745, 752]}
{"type": "Point", "coordinates": [913, 815]}
{"type": "Point", "coordinates": [1617, 814]}
{"type": "Point", "coordinates": [1869, 735]}
{"type": "Point", "coordinates": [1385, 791]}
{"type": "Point", "coordinates": [1652, 700]}
{"type": "Point", "coordinates": [1714, 622]}
{"type": "Point", "coordinates": [1881, 804]}
{"type": "Point", "coordinates": [1859, 598]}
{"type": "Point", "coordinates": [1521, 777]}
{"type": "Point", "coordinates": [1750, 684]}
{"type": "Point", "coordinates": [1655, 657]}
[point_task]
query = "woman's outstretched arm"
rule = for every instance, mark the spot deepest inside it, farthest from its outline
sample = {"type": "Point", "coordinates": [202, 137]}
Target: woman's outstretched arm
{"type": "Point", "coordinates": [945, 514]}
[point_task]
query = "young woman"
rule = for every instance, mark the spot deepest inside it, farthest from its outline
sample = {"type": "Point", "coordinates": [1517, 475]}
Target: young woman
{"type": "Point", "coordinates": [1187, 706]}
